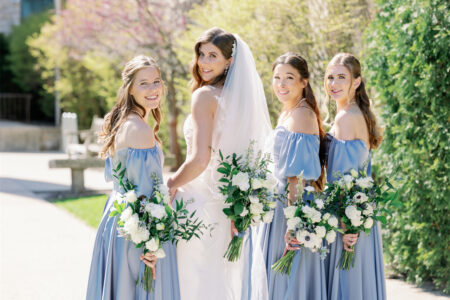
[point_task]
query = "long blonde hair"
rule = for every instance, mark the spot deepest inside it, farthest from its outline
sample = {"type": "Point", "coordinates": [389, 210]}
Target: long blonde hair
{"type": "Point", "coordinates": [352, 64]}
{"type": "Point", "coordinates": [126, 104]}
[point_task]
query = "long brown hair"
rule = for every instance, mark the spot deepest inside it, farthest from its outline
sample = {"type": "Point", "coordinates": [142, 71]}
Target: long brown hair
{"type": "Point", "coordinates": [126, 104]}
{"type": "Point", "coordinates": [300, 64]}
{"type": "Point", "coordinates": [362, 99]}
{"type": "Point", "coordinates": [222, 40]}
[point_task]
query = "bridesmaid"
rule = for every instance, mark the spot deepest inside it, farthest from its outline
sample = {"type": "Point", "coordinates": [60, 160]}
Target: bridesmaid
{"type": "Point", "coordinates": [354, 134]}
{"type": "Point", "coordinates": [116, 262]}
{"type": "Point", "coordinates": [296, 150]}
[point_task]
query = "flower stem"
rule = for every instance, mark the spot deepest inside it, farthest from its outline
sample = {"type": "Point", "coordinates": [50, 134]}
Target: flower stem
{"type": "Point", "coordinates": [233, 252]}
{"type": "Point", "coordinates": [284, 264]}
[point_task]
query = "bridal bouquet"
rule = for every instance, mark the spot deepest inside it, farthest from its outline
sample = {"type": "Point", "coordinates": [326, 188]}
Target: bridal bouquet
{"type": "Point", "coordinates": [359, 202]}
{"type": "Point", "coordinates": [249, 191]}
{"type": "Point", "coordinates": [310, 223]}
{"type": "Point", "coordinates": [149, 221]}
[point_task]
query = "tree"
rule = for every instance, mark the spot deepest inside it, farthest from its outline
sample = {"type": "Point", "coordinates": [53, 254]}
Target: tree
{"type": "Point", "coordinates": [408, 65]}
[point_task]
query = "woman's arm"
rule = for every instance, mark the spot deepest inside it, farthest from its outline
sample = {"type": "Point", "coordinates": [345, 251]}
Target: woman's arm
{"type": "Point", "coordinates": [204, 106]}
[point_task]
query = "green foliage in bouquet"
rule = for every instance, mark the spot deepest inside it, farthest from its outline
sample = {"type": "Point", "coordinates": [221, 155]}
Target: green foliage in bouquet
{"type": "Point", "coordinates": [407, 64]}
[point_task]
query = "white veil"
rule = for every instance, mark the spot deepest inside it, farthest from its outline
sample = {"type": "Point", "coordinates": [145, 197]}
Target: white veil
{"type": "Point", "coordinates": [242, 113]}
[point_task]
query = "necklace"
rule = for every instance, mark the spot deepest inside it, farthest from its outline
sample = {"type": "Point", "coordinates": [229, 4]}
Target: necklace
{"type": "Point", "coordinates": [288, 111]}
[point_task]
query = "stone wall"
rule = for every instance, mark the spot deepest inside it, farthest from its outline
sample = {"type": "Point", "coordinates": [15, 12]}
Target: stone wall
{"type": "Point", "coordinates": [9, 15]}
{"type": "Point", "coordinates": [16, 136]}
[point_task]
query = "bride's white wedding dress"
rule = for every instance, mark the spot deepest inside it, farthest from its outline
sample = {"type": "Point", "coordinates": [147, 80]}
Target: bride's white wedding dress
{"type": "Point", "coordinates": [241, 117]}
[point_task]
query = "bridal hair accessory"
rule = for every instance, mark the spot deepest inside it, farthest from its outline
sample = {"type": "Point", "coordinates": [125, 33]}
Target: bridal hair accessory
{"type": "Point", "coordinates": [233, 50]}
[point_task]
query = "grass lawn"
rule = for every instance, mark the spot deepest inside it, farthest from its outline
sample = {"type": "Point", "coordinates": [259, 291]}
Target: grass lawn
{"type": "Point", "coordinates": [89, 209]}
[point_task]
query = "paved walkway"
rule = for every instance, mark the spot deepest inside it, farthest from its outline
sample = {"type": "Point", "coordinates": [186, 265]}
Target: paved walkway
{"type": "Point", "coordinates": [45, 252]}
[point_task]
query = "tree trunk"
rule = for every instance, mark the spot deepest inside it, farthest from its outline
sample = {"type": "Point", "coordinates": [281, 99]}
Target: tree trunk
{"type": "Point", "coordinates": [173, 121]}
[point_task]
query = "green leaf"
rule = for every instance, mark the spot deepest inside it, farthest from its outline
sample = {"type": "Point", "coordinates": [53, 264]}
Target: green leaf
{"type": "Point", "coordinates": [238, 208]}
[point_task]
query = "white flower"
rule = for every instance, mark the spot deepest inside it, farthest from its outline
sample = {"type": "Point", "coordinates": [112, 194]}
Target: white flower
{"type": "Point", "coordinates": [357, 221]}
{"type": "Point", "coordinates": [321, 231]}
{"type": "Point", "coordinates": [272, 204]}
{"type": "Point", "coordinates": [126, 214]}
{"type": "Point", "coordinates": [360, 197]}
{"type": "Point", "coordinates": [326, 216]}
{"type": "Point", "coordinates": [140, 235]}
{"type": "Point", "coordinates": [348, 180]}
{"type": "Point", "coordinates": [156, 210]}
{"type": "Point", "coordinates": [256, 208]}
{"type": "Point", "coordinates": [253, 199]}
{"type": "Point", "coordinates": [131, 224]}
{"type": "Point", "coordinates": [352, 212]}
{"type": "Point", "coordinates": [159, 253]}
{"type": "Point", "coordinates": [313, 214]}
{"type": "Point", "coordinates": [331, 236]}
{"type": "Point", "coordinates": [268, 217]}
{"type": "Point", "coordinates": [333, 221]}
{"type": "Point", "coordinates": [130, 196]}
{"type": "Point", "coordinates": [160, 226]}
{"type": "Point", "coordinates": [293, 223]}
{"type": "Point", "coordinates": [365, 182]}
{"type": "Point", "coordinates": [289, 211]}
{"type": "Point", "coordinates": [308, 239]}
{"type": "Point", "coordinates": [257, 183]}
{"type": "Point", "coordinates": [152, 245]}
{"type": "Point", "coordinates": [368, 211]}
{"type": "Point", "coordinates": [256, 219]}
{"type": "Point", "coordinates": [319, 203]}
{"type": "Point", "coordinates": [354, 173]}
{"type": "Point", "coordinates": [310, 189]}
{"type": "Point", "coordinates": [241, 180]}
{"type": "Point", "coordinates": [368, 223]}
{"type": "Point", "coordinates": [306, 209]}
{"type": "Point", "coordinates": [244, 212]}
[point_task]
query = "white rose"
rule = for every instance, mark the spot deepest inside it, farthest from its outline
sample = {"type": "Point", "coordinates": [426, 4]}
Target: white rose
{"type": "Point", "coordinates": [159, 253]}
{"type": "Point", "coordinates": [130, 196]}
{"type": "Point", "coordinates": [306, 210]}
{"type": "Point", "coordinates": [156, 210]}
{"type": "Point", "coordinates": [256, 219]}
{"type": "Point", "coordinates": [140, 235]}
{"type": "Point", "coordinates": [272, 204]}
{"type": "Point", "coordinates": [319, 203]}
{"type": "Point", "coordinates": [331, 236]}
{"type": "Point", "coordinates": [316, 217]}
{"type": "Point", "coordinates": [152, 245]}
{"type": "Point", "coordinates": [310, 189]}
{"type": "Point", "coordinates": [326, 216]}
{"type": "Point", "coordinates": [357, 221]}
{"type": "Point", "coordinates": [268, 217]}
{"type": "Point", "coordinates": [321, 231]}
{"type": "Point", "coordinates": [354, 173]}
{"type": "Point", "coordinates": [365, 182]}
{"type": "Point", "coordinates": [241, 180]}
{"type": "Point", "coordinates": [333, 221]}
{"type": "Point", "coordinates": [352, 212]}
{"type": "Point", "coordinates": [131, 224]}
{"type": "Point", "coordinates": [257, 183]}
{"type": "Point", "coordinates": [256, 208]}
{"type": "Point", "coordinates": [254, 199]}
{"type": "Point", "coordinates": [289, 211]}
{"type": "Point", "coordinates": [293, 223]}
{"type": "Point", "coordinates": [160, 226]}
{"type": "Point", "coordinates": [360, 197]}
{"type": "Point", "coordinates": [244, 212]}
{"type": "Point", "coordinates": [348, 180]}
{"type": "Point", "coordinates": [368, 223]}
{"type": "Point", "coordinates": [126, 214]}
{"type": "Point", "coordinates": [368, 211]}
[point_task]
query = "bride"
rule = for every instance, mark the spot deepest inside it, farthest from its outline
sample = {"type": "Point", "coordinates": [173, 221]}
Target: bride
{"type": "Point", "coordinates": [228, 111]}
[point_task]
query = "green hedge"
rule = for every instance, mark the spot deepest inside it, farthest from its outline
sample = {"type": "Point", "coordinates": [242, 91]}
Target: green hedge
{"type": "Point", "coordinates": [408, 65]}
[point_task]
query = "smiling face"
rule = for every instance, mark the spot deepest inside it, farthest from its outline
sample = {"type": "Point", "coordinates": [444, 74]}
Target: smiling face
{"type": "Point", "coordinates": [287, 84]}
{"type": "Point", "coordinates": [339, 84]}
{"type": "Point", "coordinates": [147, 88]}
{"type": "Point", "coordinates": [211, 62]}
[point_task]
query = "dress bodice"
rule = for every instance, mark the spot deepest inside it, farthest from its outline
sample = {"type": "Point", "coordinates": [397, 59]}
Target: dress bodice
{"type": "Point", "coordinates": [346, 155]}
{"type": "Point", "coordinates": [295, 152]}
{"type": "Point", "coordinates": [188, 134]}
{"type": "Point", "coordinates": [140, 164]}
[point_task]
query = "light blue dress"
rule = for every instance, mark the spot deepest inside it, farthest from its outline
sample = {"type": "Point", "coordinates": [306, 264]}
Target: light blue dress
{"type": "Point", "coordinates": [293, 153]}
{"type": "Point", "coordinates": [115, 262]}
{"type": "Point", "coordinates": [365, 281]}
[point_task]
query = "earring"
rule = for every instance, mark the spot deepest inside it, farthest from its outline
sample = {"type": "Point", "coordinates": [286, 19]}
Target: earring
{"type": "Point", "coordinates": [226, 71]}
